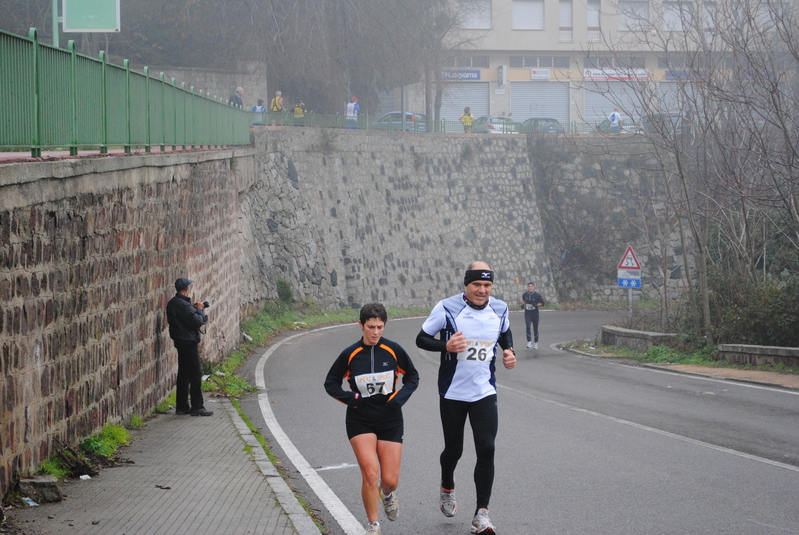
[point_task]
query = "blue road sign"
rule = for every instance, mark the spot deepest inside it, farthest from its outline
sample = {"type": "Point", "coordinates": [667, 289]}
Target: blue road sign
{"type": "Point", "coordinates": [629, 283]}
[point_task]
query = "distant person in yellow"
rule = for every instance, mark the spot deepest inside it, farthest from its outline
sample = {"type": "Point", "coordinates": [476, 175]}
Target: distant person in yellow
{"type": "Point", "coordinates": [466, 120]}
{"type": "Point", "coordinates": [277, 102]}
{"type": "Point", "coordinates": [299, 113]}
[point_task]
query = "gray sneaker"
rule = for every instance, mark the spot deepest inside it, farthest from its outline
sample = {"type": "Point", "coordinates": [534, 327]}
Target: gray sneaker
{"type": "Point", "coordinates": [447, 502]}
{"type": "Point", "coordinates": [390, 504]}
{"type": "Point", "coordinates": [482, 524]}
{"type": "Point", "coordinates": [372, 529]}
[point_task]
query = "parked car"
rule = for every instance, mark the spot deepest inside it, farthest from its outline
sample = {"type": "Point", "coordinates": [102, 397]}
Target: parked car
{"type": "Point", "coordinates": [414, 122]}
{"type": "Point", "coordinates": [542, 125]}
{"type": "Point", "coordinates": [666, 123]}
{"type": "Point", "coordinates": [627, 127]}
{"type": "Point", "coordinates": [495, 124]}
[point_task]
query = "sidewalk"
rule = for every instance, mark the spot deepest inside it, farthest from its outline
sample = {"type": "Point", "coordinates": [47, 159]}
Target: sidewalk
{"type": "Point", "coordinates": [190, 475]}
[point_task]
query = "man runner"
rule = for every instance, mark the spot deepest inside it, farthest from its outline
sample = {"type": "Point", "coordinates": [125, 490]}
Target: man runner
{"type": "Point", "coordinates": [470, 324]}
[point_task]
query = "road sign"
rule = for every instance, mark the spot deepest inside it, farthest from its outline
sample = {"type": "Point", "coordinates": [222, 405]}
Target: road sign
{"type": "Point", "coordinates": [629, 270]}
{"type": "Point", "coordinates": [629, 283]}
{"type": "Point", "coordinates": [629, 260]}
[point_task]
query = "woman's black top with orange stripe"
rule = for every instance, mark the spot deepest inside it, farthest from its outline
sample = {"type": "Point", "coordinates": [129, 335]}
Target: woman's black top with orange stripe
{"type": "Point", "coordinates": [372, 372]}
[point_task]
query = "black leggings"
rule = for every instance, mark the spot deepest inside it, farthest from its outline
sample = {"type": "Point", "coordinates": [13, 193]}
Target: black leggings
{"type": "Point", "coordinates": [484, 420]}
{"type": "Point", "coordinates": [531, 318]}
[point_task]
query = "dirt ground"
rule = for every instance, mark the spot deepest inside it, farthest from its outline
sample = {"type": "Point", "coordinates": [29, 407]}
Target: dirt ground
{"type": "Point", "coordinates": [786, 380]}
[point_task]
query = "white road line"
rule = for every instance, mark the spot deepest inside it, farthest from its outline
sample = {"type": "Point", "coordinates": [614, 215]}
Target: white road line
{"type": "Point", "coordinates": [343, 516]}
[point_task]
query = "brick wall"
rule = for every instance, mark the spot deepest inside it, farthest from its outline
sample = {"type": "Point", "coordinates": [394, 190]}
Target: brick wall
{"type": "Point", "coordinates": [89, 254]}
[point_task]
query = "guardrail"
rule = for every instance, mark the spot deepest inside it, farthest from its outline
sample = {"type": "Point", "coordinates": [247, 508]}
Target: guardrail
{"type": "Point", "coordinates": [56, 98]}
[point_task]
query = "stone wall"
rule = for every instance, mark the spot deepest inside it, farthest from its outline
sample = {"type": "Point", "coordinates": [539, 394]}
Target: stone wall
{"type": "Point", "coordinates": [90, 250]}
{"type": "Point", "coordinates": [350, 217]}
{"type": "Point", "coordinates": [91, 247]}
{"type": "Point", "coordinates": [597, 195]}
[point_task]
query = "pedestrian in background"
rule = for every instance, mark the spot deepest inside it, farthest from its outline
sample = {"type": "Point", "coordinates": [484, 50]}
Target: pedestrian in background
{"type": "Point", "coordinates": [299, 113]}
{"type": "Point", "coordinates": [466, 120]}
{"type": "Point", "coordinates": [277, 102]}
{"type": "Point", "coordinates": [185, 320]}
{"type": "Point", "coordinates": [615, 121]}
{"type": "Point", "coordinates": [352, 111]}
{"type": "Point", "coordinates": [259, 109]}
{"type": "Point", "coordinates": [374, 422]}
{"type": "Point", "coordinates": [470, 325]}
{"type": "Point", "coordinates": [235, 98]}
{"type": "Point", "coordinates": [531, 300]}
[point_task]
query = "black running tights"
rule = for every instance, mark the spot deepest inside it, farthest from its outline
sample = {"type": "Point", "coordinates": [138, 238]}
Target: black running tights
{"type": "Point", "coordinates": [484, 420]}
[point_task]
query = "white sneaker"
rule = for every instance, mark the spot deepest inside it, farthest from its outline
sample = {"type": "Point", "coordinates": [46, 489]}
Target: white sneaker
{"type": "Point", "coordinates": [447, 502]}
{"type": "Point", "coordinates": [535, 345]}
{"type": "Point", "coordinates": [529, 345]}
{"type": "Point", "coordinates": [390, 504]}
{"type": "Point", "coordinates": [482, 524]}
{"type": "Point", "coordinates": [373, 528]}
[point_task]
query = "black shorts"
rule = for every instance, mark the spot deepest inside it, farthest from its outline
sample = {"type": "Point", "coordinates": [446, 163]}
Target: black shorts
{"type": "Point", "coordinates": [392, 434]}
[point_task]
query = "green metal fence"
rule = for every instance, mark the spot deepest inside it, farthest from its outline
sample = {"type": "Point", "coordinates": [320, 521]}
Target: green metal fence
{"type": "Point", "coordinates": [58, 99]}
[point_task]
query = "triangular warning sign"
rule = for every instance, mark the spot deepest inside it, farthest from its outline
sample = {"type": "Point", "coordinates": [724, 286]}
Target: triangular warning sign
{"type": "Point", "coordinates": [629, 260]}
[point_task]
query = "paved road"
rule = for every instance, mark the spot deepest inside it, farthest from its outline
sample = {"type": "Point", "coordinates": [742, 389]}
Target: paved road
{"type": "Point", "coordinates": [586, 446]}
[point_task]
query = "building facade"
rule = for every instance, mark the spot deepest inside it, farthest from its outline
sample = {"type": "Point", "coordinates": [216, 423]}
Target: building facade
{"type": "Point", "coordinates": [572, 60]}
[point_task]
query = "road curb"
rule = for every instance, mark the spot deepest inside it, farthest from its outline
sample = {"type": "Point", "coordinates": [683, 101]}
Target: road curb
{"type": "Point", "coordinates": [660, 367]}
{"type": "Point", "coordinates": [299, 517]}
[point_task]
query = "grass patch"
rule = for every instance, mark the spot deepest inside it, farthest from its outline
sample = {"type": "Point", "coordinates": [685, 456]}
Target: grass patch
{"type": "Point", "coordinates": [105, 443]}
{"type": "Point", "coordinates": [54, 466]}
{"type": "Point", "coordinates": [136, 422]}
{"type": "Point", "coordinates": [671, 355]}
{"type": "Point", "coordinates": [168, 403]}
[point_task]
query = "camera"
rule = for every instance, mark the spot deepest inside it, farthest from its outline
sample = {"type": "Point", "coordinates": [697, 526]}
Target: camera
{"type": "Point", "coordinates": [206, 304]}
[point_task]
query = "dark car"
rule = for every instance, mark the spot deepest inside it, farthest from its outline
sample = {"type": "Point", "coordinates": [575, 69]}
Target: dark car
{"type": "Point", "coordinates": [626, 128]}
{"type": "Point", "coordinates": [542, 125]}
{"type": "Point", "coordinates": [667, 123]}
{"type": "Point", "coordinates": [414, 122]}
{"type": "Point", "coordinates": [495, 124]}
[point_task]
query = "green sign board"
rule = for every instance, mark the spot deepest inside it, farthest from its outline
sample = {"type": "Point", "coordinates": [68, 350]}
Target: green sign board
{"type": "Point", "coordinates": [91, 15]}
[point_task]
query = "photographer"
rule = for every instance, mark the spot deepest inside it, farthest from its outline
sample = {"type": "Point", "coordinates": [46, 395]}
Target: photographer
{"type": "Point", "coordinates": [185, 321]}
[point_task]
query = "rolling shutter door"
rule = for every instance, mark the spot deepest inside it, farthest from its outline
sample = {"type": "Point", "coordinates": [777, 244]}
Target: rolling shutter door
{"type": "Point", "coordinates": [539, 99]}
{"type": "Point", "coordinates": [600, 101]}
{"type": "Point", "coordinates": [459, 95]}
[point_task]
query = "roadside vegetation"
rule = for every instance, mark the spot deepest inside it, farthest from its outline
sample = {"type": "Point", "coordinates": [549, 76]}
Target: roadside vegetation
{"type": "Point", "coordinates": [680, 353]}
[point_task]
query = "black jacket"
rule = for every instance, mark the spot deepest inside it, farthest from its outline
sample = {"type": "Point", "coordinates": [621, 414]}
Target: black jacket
{"type": "Point", "coordinates": [378, 404]}
{"type": "Point", "coordinates": [184, 320]}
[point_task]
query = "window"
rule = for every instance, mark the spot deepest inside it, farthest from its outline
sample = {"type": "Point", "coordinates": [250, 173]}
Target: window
{"type": "Point", "coordinates": [475, 14]}
{"type": "Point", "coordinates": [633, 15]}
{"type": "Point", "coordinates": [594, 34]}
{"type": "Point", "coordinates": [468, 62]}
{"type": "Point", "coordinates": [710, 9]}
{"type": "Point", "coordinates": [539, 62]}
{"type": "Point", "coordinates": [677, 16]}
{"type": "Point", "coordinates": [565, 17]}
{"type": "Point", "coordinates": [528, 14]}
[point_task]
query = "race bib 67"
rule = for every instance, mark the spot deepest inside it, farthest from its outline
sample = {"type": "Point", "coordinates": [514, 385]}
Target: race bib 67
{"type": "Point", "coordinates": [370, 384]}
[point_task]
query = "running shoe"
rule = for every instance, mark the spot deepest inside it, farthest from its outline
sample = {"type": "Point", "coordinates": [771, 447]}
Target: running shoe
{"type": "Point", "coordinates": [390, 504]}
{"type": "Point", "coordinates": [535, 345]}
{"type": "Point", "coordinates": [529, 344]}
{"type": "Point", "coordinates": [482, 524]}
{"type": "Point", "coordinates": [373, 528]}
{"type": "Point", "coordinates": [447, 502]}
